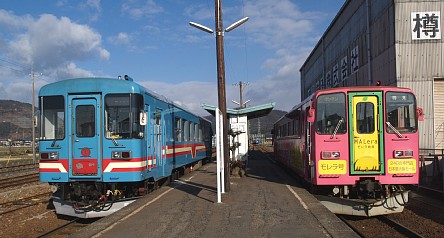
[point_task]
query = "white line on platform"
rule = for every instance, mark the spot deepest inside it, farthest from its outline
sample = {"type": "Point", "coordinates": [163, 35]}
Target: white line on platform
{"type": "Point", "coordinates": [297, 196]}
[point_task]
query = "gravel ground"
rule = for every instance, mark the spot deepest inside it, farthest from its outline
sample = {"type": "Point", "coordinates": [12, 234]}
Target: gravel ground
{"type": "Point", "coordinates": [31, 221]}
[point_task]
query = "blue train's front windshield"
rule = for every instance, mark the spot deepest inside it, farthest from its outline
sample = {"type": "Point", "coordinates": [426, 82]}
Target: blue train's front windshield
{"type": "Point", "coordinates": [53, 118]}
{"type": "Point", "coordinates": [122, 112]}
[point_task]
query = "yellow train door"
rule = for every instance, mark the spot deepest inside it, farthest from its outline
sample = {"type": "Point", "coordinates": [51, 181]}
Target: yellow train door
{"type": "Point", "coordinates": [366, 135]}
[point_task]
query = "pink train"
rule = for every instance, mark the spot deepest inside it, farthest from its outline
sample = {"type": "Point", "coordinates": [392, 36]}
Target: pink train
{"type": "Point", "coordinates": [355, 147]}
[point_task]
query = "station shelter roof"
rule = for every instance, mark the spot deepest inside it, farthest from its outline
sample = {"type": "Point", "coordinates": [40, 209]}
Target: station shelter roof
{"type": "Point", "coordinates": [250, 112]}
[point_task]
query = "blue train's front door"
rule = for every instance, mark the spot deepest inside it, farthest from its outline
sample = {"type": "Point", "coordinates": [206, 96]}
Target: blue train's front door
{"type": "Point", "coordinates": [84, 136]}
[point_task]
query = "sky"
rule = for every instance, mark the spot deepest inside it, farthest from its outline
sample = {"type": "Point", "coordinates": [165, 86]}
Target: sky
{"type": "Point", "coordinates": [152, 42]}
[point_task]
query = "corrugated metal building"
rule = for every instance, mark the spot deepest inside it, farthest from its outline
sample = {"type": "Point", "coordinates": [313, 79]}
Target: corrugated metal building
{"type": "Point", "coordinates": [397, 42]}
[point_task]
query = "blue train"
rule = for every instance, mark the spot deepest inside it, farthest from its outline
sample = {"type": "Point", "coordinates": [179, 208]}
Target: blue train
{"type": "Point", "coordinates": [106, 141]}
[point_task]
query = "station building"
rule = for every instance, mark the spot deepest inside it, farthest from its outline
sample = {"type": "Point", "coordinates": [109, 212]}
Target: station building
{"type": "Point", "coordinates": [396, 42]}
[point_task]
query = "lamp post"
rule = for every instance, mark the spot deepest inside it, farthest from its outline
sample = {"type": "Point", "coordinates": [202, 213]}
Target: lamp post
{"type": "Point", "coordinates": [222, 103]}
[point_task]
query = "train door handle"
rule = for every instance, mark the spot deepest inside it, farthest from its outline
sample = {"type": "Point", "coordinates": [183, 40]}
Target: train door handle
{"type": "Point", "coordinates": [77, 140]}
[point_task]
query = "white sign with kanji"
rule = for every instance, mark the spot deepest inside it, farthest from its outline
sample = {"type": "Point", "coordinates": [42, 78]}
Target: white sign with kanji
{"type": "Point", "coordinates": [426, 25]}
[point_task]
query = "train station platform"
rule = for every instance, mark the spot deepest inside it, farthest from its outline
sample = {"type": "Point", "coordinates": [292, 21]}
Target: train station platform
{"type": "Point", "coordinates": [267, 202]}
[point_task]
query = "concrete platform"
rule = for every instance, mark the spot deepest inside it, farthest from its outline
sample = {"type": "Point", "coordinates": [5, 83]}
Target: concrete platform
{"type": "Point", "coordinates": [266, 203]}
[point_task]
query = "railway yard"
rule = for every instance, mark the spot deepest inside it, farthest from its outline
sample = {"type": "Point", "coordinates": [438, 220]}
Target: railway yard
{"type": "Point", "coordinates": [26, 211]}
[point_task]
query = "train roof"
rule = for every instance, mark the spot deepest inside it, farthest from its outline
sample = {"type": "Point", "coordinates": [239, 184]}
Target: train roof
{"type": "Point", "coordinates": [100, 84]}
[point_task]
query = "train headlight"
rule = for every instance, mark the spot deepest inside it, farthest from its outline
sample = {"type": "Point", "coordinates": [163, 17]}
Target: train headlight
{"type": "Point", "coordinates": [331, 154]}
{"type": "Point", "coordinates": [49, 156]}
{"type": "Point", "coordinates": [403, 153]}
{"type": "Point", "coordinates": [121, 155]}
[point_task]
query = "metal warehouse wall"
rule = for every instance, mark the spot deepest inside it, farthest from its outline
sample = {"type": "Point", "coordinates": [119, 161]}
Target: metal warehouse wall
{"type": "Point", "coordinates": [342, 55]}
{"type": "Point", "coordinates": [418, 64]}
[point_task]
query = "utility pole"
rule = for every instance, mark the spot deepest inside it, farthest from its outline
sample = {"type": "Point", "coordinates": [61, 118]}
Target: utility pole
{"type": "Point", "coordinates": [241, 102]}
{"type": "Point", "coordinates": [33, 119]}
{"type": "Point", "coordinates": [33, 116]}
{"type": "Point", "coordinates": [222, 102]}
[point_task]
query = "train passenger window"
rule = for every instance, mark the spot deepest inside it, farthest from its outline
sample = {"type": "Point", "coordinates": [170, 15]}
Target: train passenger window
{"type": "Point", "coordinates": [186, 128]}
{"type": "Point", "coordinates": [122, 112]}
{"type": "Point", "coordinates": [178, 129]}
{"type": "Point", "coordinates": [365, 118]}
{"type": "Point", "coordinates": [85, 121]}
{"type": "Point", "coordinates": [296, 123]}
{"type": "Point", "coordinates": [53, 117]}
{"type": "Point", "coordinates": [330, 112]}
{"type": "Point", "coordinates": [191, 131]}
{"type": "Point", "coordinates": [200, 134]}
{"type": "Point", "coordinates": [285, 130]}
{"type": "Point", "coordinates": [401, 112]}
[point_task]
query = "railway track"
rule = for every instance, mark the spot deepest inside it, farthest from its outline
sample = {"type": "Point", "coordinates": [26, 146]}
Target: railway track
{"type": "Point", "coordinates": [19, 204]}
{"type": "Point", "coordinates": [381, 226]}
{"type": "Point", "coordinates": [6, 168]}
{"type": "Point", "coordinates": [19, 179]}
{"type": "Point", "coordinates": [70, 227]}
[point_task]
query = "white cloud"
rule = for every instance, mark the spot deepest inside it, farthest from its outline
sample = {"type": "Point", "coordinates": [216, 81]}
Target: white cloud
{"type": "Point", "coordinates": [50, 42]}
{"type": "Point", "coordinates": [199, 12]}
{"type": "Point", "coordinates": [121, 38]}
{"type": "Point", "coordinates": [136, 9]}
{"type": "Point", "coordinates": [279, 23]}
{"type": "Point", "coordinates": [284, 28]}
{"type": "Point", "coordinates": [9, 21]}
{"type": "Point", "coordinates": [53, 41]}
{"type": "Point", "coordinates": [93, 5]}
{"type": "Point", "coordinates": [189, 94]}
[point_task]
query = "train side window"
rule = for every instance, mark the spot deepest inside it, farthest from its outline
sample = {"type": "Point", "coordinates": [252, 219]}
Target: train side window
{"type": "Point", "coordinates": [191, 131]}
{"type": "Point", "coordinates": [178, 129]}
{"type": "Point", "coordinates": [200, 133]}
{"type": "Point", "coordinates": [186, 132]}
{"type": "Point", "coordinates": [290, 128]}
{"type": "Point", "coordinates": [284, 130]}
{"type": "Point", "coordinates": [296, 123]}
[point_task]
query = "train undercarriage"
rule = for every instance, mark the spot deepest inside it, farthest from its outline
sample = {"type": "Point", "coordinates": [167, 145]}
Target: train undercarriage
{"type": "Point", "coordinates": [89, 199]}
{"type": "Point", "coordinates": [366, 197]}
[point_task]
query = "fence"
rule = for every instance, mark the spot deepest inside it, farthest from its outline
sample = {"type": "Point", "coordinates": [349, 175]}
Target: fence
{"type": "Point", "coordinates": [431, 169]}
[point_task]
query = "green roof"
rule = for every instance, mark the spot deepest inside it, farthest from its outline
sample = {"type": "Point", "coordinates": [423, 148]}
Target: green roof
{"type": "Point", "coordinates": [251, 112]}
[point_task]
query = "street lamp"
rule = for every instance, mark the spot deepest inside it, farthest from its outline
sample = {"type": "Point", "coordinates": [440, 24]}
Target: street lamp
{"type": "Point", "coordinates": [222, 103]}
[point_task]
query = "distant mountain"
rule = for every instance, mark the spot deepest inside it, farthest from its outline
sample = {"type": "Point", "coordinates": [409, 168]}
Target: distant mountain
{"type": "Point", "coordinates": [261, 125]}
{"type": "Point", "coordinates": [15, 120]}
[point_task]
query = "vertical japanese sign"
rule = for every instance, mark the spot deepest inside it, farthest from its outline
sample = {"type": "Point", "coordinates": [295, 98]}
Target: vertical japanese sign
{"type": "Point", "coordinates": [328, 80]}
{"type": "Point", "coordinates": [426, 25]}
{"type": "Point", "coordinates": [335, 75]}
{"type": "Point", "coordinates": [354, 59]}
{"type": "Point", "coordinates": [344, 69]}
